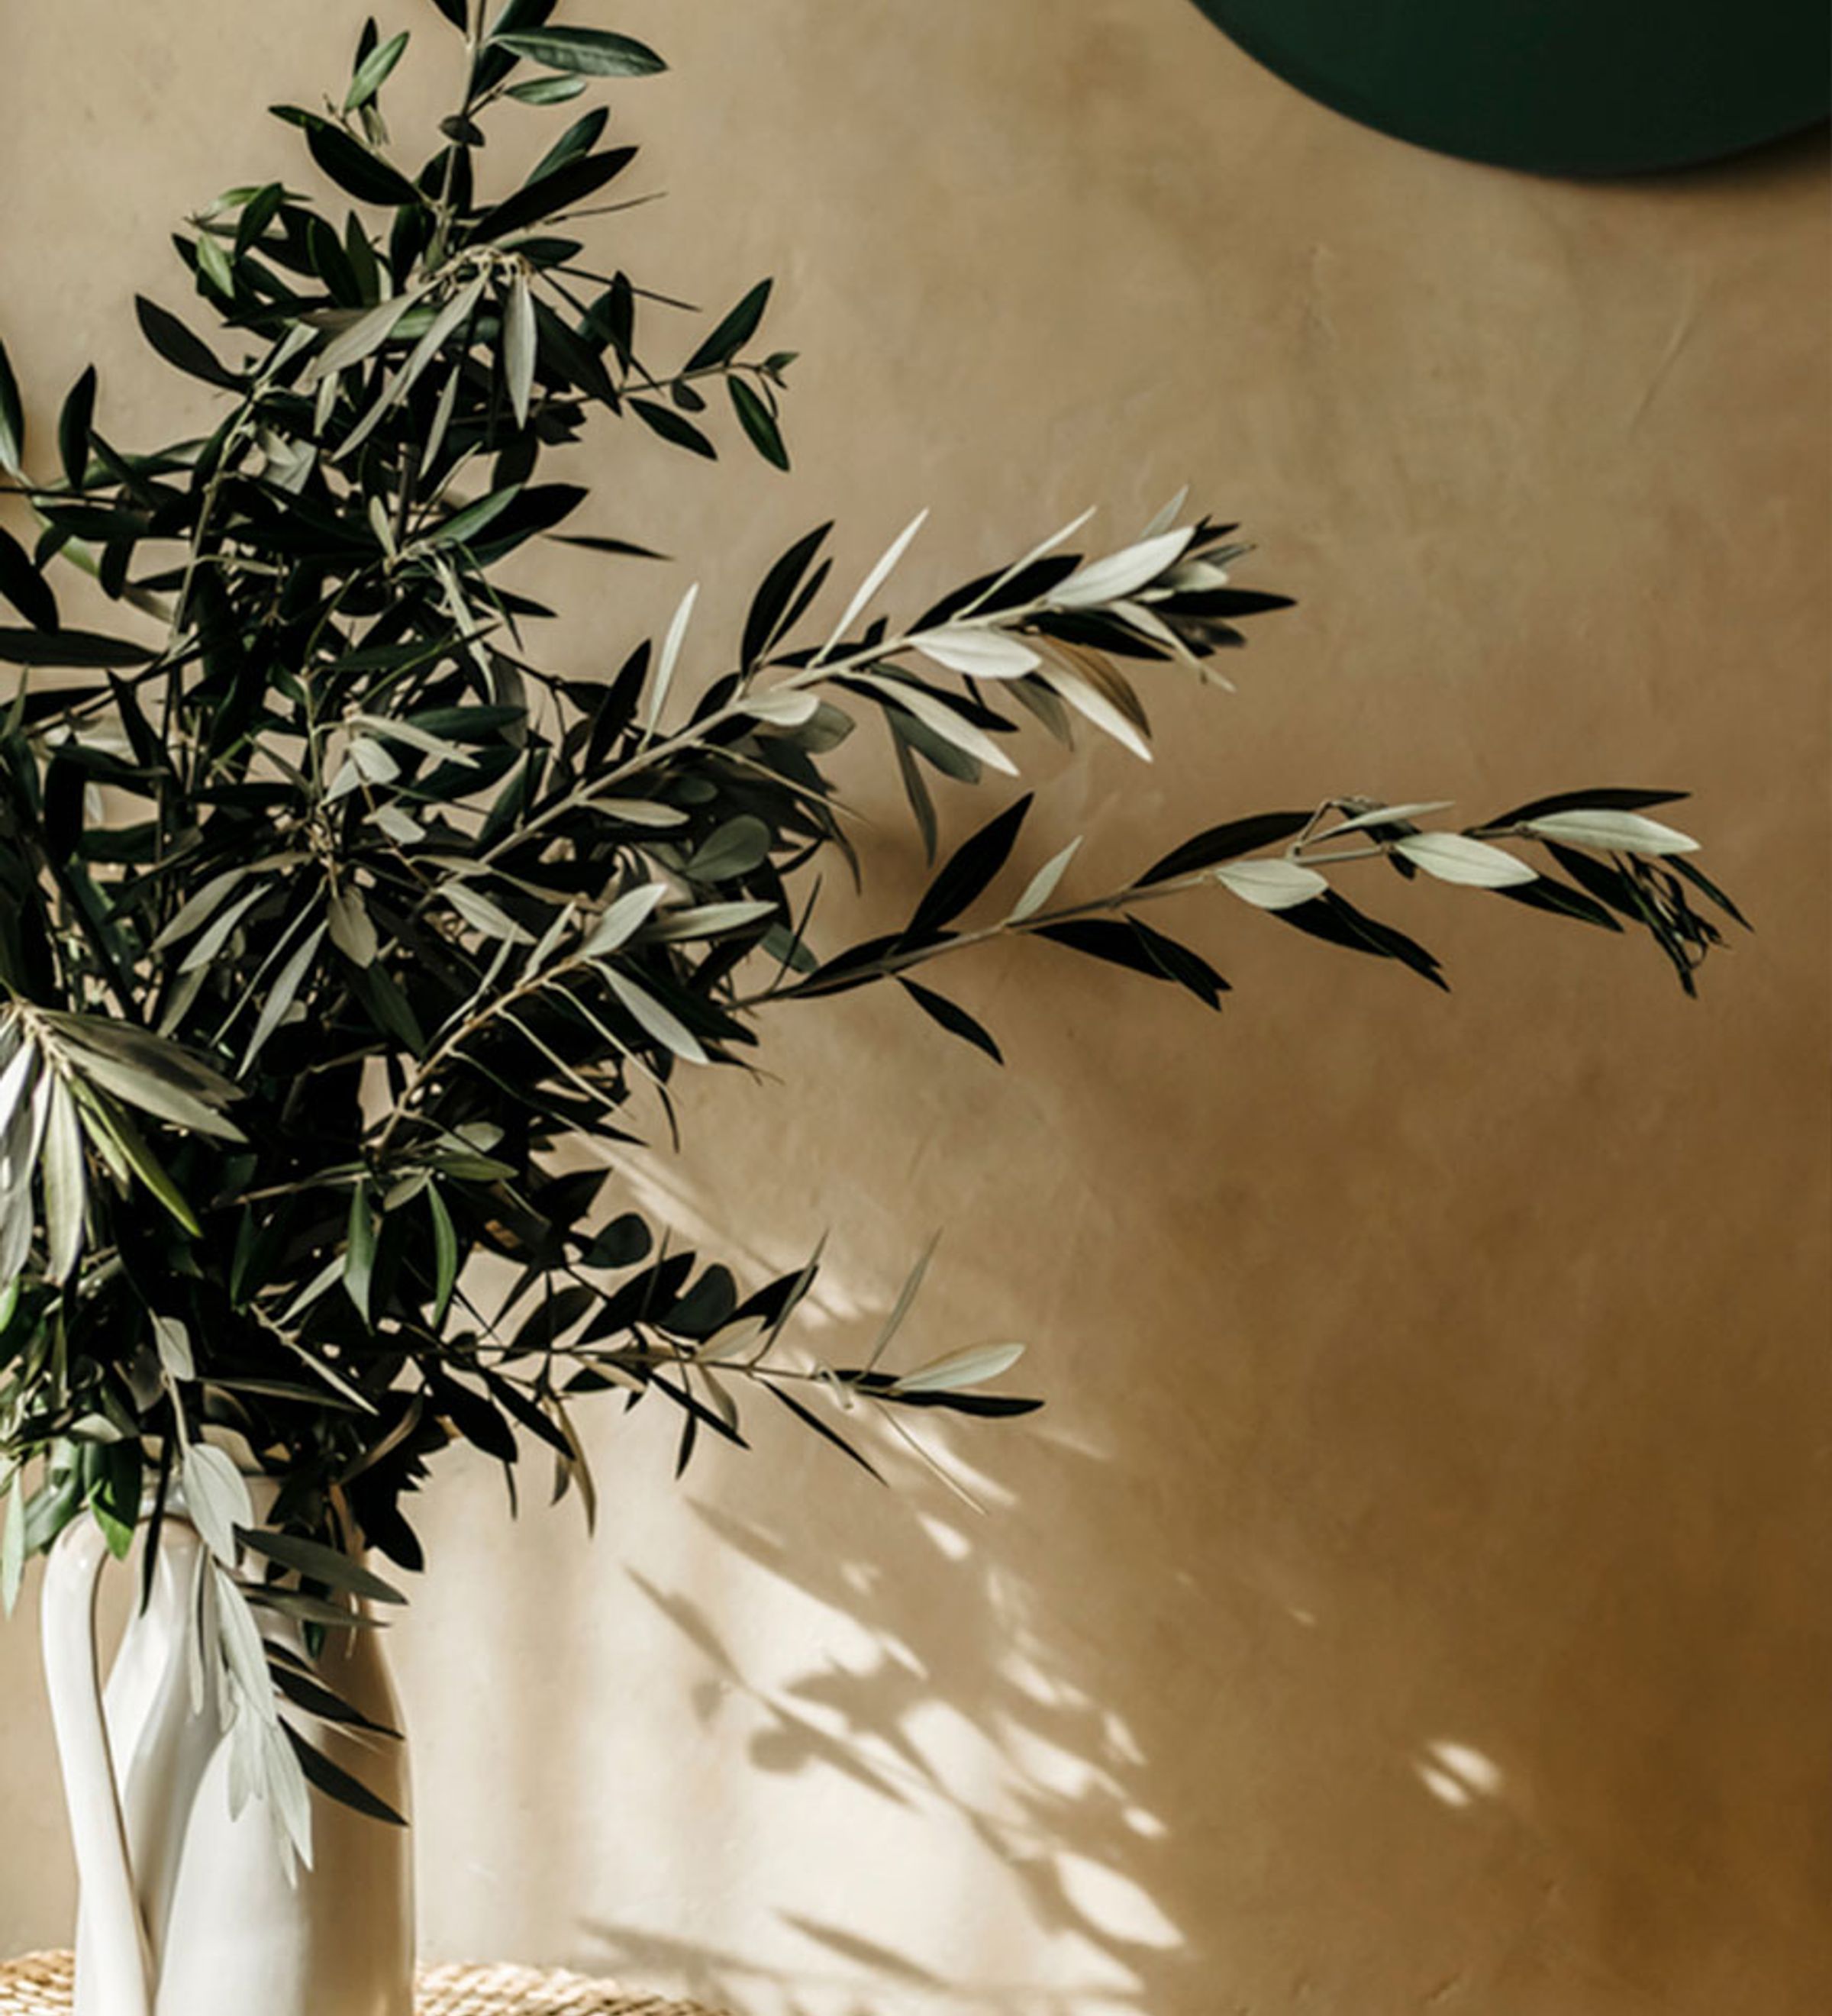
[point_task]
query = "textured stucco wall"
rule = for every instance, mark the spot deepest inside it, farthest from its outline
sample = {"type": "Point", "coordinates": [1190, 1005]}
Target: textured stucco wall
{"type": "Point", "coordinates": [1415, 1595]}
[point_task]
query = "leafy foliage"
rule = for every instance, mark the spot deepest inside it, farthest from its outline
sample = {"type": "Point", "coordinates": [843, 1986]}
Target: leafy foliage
{"type": "Point", "coordinates": [329, 918]}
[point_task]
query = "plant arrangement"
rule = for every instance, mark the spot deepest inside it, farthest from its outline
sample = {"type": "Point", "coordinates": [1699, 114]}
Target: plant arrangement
{"type": "Point", "coordinates": [329, 920]}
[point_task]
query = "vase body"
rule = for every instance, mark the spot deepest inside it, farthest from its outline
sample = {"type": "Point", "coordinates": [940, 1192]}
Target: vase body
{"type": "Point", "coordinates": [186, 1908]}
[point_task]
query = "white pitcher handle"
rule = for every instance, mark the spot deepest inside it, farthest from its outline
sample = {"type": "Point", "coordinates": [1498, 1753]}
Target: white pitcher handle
{"type": "Point", "coordinates": [121, 1984]}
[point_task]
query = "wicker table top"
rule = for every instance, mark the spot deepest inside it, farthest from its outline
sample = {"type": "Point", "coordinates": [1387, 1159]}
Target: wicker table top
{"type": "Point", "coordinates": [40, 1986]}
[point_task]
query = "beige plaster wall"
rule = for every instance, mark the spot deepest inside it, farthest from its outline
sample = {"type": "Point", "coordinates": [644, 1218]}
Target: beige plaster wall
{"type": "Point", "coordinates": [1415, 1594]}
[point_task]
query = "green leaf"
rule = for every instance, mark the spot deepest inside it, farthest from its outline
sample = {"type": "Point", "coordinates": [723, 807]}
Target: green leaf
{"type": "Point", "coordinates": [577, 140]}
{"type": "Point", "coordinates": [317, 1563]}
{"type": "Point", "coordinates": [1226, 843]}
{"type": "Point", "coordinates": [83, 649]}
{"type": "Point", "coordinates": [734, 332]}
{"type": "Point", "coordinates": [456, 12]}
{"type": "Point", "coordinates": [968, 871]}
{"type": "Point", "coordinates": [444, 1255]}
{"type": "Point", "coordinates": [359, 1251]}
{"type": "Point", "coordinates": [355, 170]}
{"type": "Point", "coordinates": [562, 188]}
{"type": "Point", "coordinates": [664, 420]}
{"type": "Point", "coordinates": [809, 1419]}
{"type": "Point", "coordinates": [336, 1784]}
{"type": "Point", "coordinates": [13, 421]}
{"type": "Point", "coordinates": [374, 70]}
{"type": "Point", "coordinates": [547, 90]}
{"type": "Point", "coordinates": [212, 264]}
{"type": "Point", "coordinates": [23, 586]}
{"type": "Point", "coordinates": [110, 1127]}
{"type": "Point", "coordinates": [586, 52]}
{"type": "Point", "coordinates": [464, 525]}
{"type": "Point", "coordinates": [758, 422]}
{"type": "Point", "coordinates": [180, 348]}
{"type": "Point", "coordinates": [952, 1018]}
{"type": "Point", "coordinates": [297, 1684]}
{"type": "Point", "coordinates": [1610, 796]}
{"type": "Point", "coordinates": [769, 613]}
{"type": "Point", "coordinates": [73, 428]}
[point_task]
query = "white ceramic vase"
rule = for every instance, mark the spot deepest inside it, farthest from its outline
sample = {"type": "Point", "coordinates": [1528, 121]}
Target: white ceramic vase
{"type": "Point", "coordinates": [185, 1910]}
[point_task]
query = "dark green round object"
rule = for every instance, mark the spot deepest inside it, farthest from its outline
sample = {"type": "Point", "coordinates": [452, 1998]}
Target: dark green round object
{"type": "Point", "coordinates": [1567, 87]}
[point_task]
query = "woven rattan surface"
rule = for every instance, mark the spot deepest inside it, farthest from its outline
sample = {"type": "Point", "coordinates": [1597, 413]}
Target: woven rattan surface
{"type": "Point", "coordinates": [39, 1986]}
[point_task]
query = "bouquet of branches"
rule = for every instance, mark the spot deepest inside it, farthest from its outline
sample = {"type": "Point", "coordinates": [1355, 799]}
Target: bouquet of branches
{"type": "Point", "coordinates": [331, 921]}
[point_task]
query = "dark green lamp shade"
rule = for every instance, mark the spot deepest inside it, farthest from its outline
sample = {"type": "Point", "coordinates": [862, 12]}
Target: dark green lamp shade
{"type": "Point", "coordinates": [1567, 87]}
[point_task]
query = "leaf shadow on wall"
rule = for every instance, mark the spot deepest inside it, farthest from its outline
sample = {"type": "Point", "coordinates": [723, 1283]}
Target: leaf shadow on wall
{"type": "Point", "coordinates": [963, 1713]}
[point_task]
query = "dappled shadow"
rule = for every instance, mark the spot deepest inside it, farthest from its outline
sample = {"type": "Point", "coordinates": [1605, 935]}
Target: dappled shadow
{"type": "Point", "coordinates": [951, 1703]}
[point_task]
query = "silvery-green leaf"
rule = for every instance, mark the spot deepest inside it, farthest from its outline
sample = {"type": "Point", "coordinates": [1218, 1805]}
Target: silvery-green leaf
{"type": "Point", "coordinates": [199, 908]}
{"type": "Point", "coordinates": [353, 932]}
{"type": "Point", "coordinates": [518, 347]}
{"type": "Point", "coordinates": [172, 1340]}
{"type": "Point", "coordinates": [12, 1545]}
{"type": "Point", "coordinates": [143, 1086]}
{"type": "Point", "coordinates": [400, 826]}
{"type": "Point", "coordinates": [412, 737]}
{"type": "Point", "coordinates": [881, 572]}
{"type": "Point", "coordinates": [641, 811]}
{"type": "Point", "coordinates": [1038, 552]}
{"type": "Point", "coordinates": [320, 1563]}
{"type": "Point", "coordinates": [65, 1183]}
{"type": "Point", "coordinates": [1453, 857]}
{"type": "Point", "coordinates": [667, 1027]}
{"type": "Point", "coordinates": [1612, 832]}
{"type": "Point", "coordinates": [1383, 816]}
{"type": "Point", "coordinates": [706, 920]}
{"type": "Point", "coordinates": [211, 939]}
{"type": "Point", "coordinates": [216, 1497]}
{"type": "Point", "coordinates": [735, 848]}
{"type": "Point", "coordinates": [906, 1296]}
{"type": "Point", "coordinates": [1195, 577]}
{"type": "Point", "coordinates": [1271, 885]}
{"type": "Point", "coordinates": [373, 72]}
{"type": "Point", "coordinates": [977, 654]}
{"type": "Point", "coordinates": [970, 1367]}
{"type": "Point", "coordinates": [1042, 886]}
{"type": "Point", "coordinates": [1121, 574]}
{"type": "Point", "coordinates": [366, 334]}
{"type": "Point", "coordinates": [1089, 701]}
{"type": "Point", "coordinates": [670, 652]}
{"type": "Point", "coordinates": [285, 992]}
{"type": "Point", "coordinates": [1163, 519]}
{"type": "Point", "coordinates": [479, 912]}
{"type": "Point", "coordinates": [788, 710]}
{"type": "Point", "coordinates": [15, 1080]}
{"type": "Point", "coordinates": [282, 1783]}
{"type": "Point", "coordinates": [736, 1340]}
{"type": "Point", "coordinates": [373, 761]}
{"type": "Point", "coordinates": [622, 920]}
{"type": "Point", "coordinates": [935, 715]}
